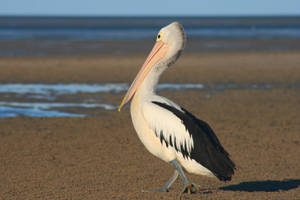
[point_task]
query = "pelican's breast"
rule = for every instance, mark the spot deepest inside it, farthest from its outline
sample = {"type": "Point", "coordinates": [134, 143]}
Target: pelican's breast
{"type": "Point", "coordinates": [146, 134]}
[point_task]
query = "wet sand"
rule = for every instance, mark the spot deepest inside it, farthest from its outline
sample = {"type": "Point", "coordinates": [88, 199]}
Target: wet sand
{"type": "Point", "coordinates": [102, 158]}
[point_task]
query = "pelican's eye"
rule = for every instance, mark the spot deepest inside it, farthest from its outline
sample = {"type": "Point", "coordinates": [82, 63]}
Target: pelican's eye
{"type": "Point", "coordinates": [158, 37]}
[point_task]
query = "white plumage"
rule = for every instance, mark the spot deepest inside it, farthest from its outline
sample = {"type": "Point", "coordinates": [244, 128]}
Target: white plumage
{"type": "Point", "coordinates": [163, 122]}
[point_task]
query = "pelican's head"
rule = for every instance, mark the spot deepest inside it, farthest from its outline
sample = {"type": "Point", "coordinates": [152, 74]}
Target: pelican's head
{"type": "Point", "coordinates": [170, 42]}
{"type": "Point", "coordinates": [172, 36]}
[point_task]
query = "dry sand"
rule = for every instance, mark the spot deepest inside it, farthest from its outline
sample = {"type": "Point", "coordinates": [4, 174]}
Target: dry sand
{"type": "Point", "coordinates": [245, 67]}
{"type": "Point", "coordinates": [102, 158]}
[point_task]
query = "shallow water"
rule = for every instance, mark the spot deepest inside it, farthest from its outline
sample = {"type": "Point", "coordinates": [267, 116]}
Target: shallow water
{"type": "Point", "coordinates": [36, 109]}
{"type": "Point", "coordinates": [53, 100]}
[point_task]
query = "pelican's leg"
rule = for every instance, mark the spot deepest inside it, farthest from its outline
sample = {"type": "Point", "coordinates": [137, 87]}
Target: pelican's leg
{"type": "Point", "coordinates": [189, 187]}
{"type": "Point", "coordinates": [166, 187]}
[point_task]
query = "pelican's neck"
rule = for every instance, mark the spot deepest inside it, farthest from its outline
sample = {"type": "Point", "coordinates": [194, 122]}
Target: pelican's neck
{"type": "Point", "coordinates": [148, 87]}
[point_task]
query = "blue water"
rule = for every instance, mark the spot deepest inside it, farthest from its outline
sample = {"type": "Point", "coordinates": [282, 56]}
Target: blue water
{"type": "Point", "coordinates": [77, 34]}
{"type": "Point", "coordinates": [43, 36]}
{"type": "Point", "coordinates": [137, 28]}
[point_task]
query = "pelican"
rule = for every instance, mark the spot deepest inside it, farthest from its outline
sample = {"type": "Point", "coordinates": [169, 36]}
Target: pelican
{"type": "Point", "coordinates": [167, 130]}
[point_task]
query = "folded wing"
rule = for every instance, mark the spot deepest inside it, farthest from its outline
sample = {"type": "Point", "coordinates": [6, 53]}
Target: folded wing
{"type": "Point", "coordinates": [193, 138]}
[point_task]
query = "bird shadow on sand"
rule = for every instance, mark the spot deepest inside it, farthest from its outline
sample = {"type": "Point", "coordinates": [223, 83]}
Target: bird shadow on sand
{"type": "Point", "coordinates": [264, 186]}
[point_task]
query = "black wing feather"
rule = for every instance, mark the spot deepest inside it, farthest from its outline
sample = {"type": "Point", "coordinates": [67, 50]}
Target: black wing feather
{"type": "Point", "coordinates": [207, 150]}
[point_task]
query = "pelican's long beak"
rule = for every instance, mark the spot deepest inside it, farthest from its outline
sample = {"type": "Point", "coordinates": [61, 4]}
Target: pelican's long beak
{"type": "Point", "coordinates": [158, 52]}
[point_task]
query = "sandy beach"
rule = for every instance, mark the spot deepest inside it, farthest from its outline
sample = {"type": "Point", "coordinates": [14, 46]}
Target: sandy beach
{"type": "Point", "coordinates": [102, 158]}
